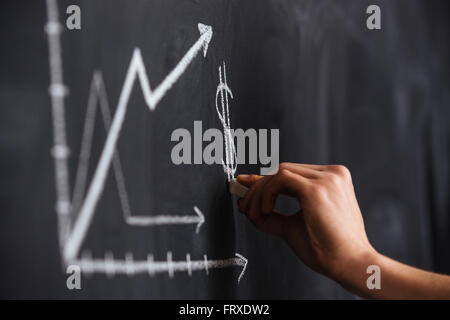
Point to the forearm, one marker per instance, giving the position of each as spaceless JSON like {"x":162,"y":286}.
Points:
{"x":328,"y":233}
{"x":398,"y":281}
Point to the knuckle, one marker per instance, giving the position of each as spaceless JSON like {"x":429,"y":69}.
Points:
{"x":334,"y":179}
{"x":283,"y":173}
{"x":341,"y":171}
{"x":318,"y":190}
{"x":283,"y":166}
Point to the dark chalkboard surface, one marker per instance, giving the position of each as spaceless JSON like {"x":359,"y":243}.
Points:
{"x":375,"y":101}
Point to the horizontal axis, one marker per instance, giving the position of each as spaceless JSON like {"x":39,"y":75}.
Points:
{"x":128,"y":266}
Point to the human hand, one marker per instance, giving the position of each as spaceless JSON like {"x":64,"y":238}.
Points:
{"x":327,"y":233}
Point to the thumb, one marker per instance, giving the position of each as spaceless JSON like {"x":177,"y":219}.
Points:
{"x":248,"y":180}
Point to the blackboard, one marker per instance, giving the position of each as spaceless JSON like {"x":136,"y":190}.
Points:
{"x":375,"y":101}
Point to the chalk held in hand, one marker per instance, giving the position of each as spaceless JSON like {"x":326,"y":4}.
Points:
{"x":237,"y":188}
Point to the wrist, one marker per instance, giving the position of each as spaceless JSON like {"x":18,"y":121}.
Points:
{"x":352,"y":273}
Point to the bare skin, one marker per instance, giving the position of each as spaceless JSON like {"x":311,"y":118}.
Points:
{"x":328,"y":233}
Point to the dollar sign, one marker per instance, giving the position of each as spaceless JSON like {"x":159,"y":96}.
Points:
{"x":222,"y":92}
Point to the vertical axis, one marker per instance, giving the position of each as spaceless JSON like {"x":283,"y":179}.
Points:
{"x":60,"y":151}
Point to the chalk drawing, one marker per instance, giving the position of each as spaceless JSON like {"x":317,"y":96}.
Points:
{"x":60,"y":151}
{"x":142,"y":221}
{"x":98,"y":96}
{"x":130,"y":267}
{"x":71,"y":238}
{"x":230,"y":164}
{"x":136,"y":70}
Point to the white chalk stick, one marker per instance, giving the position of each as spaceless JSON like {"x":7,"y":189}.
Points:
{"x":237,"y":188}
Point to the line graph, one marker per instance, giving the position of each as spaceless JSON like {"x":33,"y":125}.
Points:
{"x":136,"y":71}
{"x":98,"y":97}
{"x":73,"y":233}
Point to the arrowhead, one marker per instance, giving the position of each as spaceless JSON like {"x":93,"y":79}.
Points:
{"x":242,"y":261}
{"x":206,"y":32}
{"x":201,"y":219}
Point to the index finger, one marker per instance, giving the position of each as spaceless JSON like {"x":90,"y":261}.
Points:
{"x":284,"y":182}
{"x":248,"y":180}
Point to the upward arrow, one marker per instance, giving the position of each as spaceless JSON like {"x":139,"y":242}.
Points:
{"x":152,"y":98}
